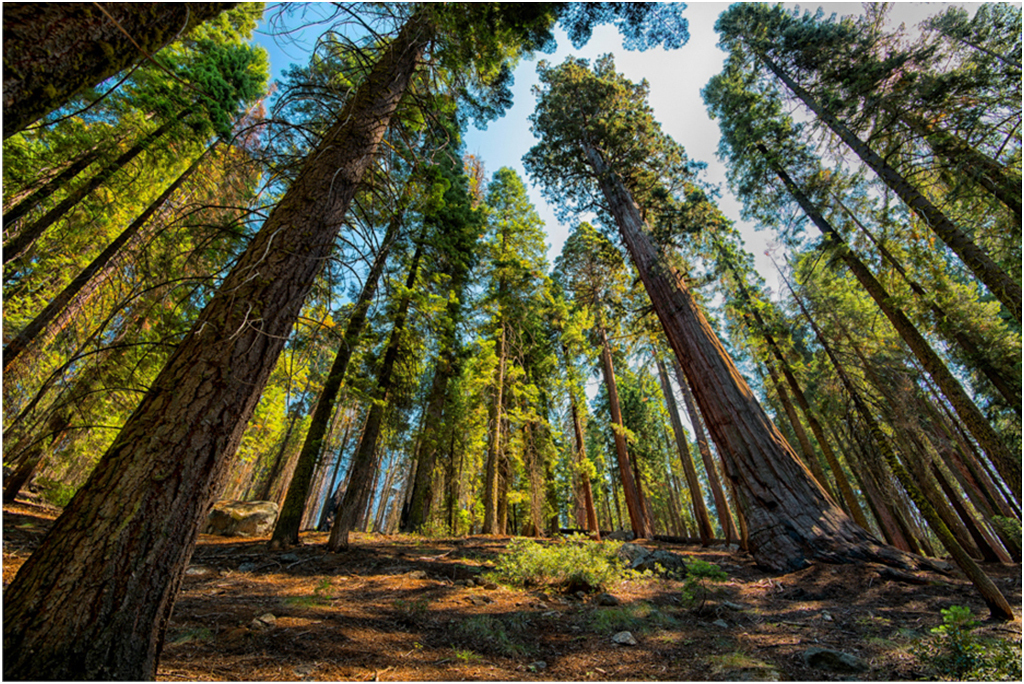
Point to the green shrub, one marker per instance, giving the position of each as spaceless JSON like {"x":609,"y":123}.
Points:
{"x":496,"y":634}
{"x":574,"y":565}
{"x":956,"y":653}
{"x":634,"y":617}
{"x":55,"y":492}
{"x":696,"y":589}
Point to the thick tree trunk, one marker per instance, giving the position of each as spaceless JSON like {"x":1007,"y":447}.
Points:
{"x":52,"y":52}
{"x":714,"y":482}
{"x":998,"y":606}
{"x":93,"y":601}
{"x":50,"y":320}
{"x":1006,"y":462}
{"x":286,"y":530}
{"x":981,"y":264}
{"x":700,"y":511}
{"x":638,"y":520}
{"x":791,"y":521}
{"x":365,"y":462}
{"x":19,"y":245}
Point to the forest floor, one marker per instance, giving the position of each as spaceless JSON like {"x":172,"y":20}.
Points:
{"x":398,"y":608}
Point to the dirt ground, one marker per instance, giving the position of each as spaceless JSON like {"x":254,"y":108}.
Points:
{"x":399,"y":608}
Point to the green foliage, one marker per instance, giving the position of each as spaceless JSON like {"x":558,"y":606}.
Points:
{"x":634,"y":617}
{"x":56,"y":492}
{"x":956,"y":653}
{"x":699,"y":576}
{"x":574,"y":565}
{"x":1008,"y":526}
{"x":496,"y":633}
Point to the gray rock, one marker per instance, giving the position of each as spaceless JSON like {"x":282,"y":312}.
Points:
{"x":537,"y":666}
{"x":247,"y":567}
{"x":607,"y":600}
{"x":196,"y":570}
{"x":289,"y":557}
{"x":265,"y":621}
{"x":241,"y":518}
{"x":479,"y":600}
{"x":721,"y":624}
{"x":624,"y":639}
{"x":836,"y":661}
{"x":416,"y":574}
{"x":640,"y":559}
{"x":620,"y":535}
{"x":732,"y":606}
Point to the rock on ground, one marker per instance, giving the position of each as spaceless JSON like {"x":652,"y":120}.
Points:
{"x":241,"y":518}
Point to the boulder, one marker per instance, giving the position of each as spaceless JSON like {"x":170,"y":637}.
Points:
{"x":241,"y":518}
{"x":640,"y":559}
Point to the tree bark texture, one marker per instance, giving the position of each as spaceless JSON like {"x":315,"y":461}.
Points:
{"x":21,"y":243}
{"x":494,"y":444}
{"x":93,"y":601}
{"x":54,"y":51}
{"x":790,"y":519}
{"x":999,"y":283}
{"x":47,"y":323}
{"x":1008,"y":463}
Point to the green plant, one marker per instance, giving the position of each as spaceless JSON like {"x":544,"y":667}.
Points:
{"x":189,"y":635}
{"x":1008,"y":526}
{"x":955,"y":652}
{"x":577,"y":564}
{"x":635,"y":617}
{"x":699,"y":574}
{"x":56,"y":492}
{"x":321,"y":596}
{"x":465,"y":655}
{"x":494,"y":632}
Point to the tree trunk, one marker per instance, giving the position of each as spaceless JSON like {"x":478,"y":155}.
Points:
{"x":981,"y":264}
{"x":19,"y":245}
{"x":1005,"y":380}
{"x":286,"y":530}
{"x":94,"y":599}
{"x":52,"y":52}
{"x":581,"y":453}
{"x":714,"y":482}
{"x":494,"y":444}
{"x":51,"y":186}
{"x":50,"y":320}
{"x":810,"y":457}
{"x":700,"y":511}
{"x":790,"y":519}
{"x":638,"y":520}
{"x":364,"y":462}
{"x":997,"y":604}
{"x":422,"y":487}
{"x":1007,"y":463}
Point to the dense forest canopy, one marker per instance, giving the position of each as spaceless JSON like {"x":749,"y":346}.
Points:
{"x":313,"y":292}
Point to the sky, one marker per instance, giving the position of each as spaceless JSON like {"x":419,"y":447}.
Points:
{"x":676,"y":78}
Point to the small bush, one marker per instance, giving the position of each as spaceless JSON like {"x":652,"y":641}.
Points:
{"x":955,"y":653}
{"x":578,"y":564}
{"x":496,"y":634}
{"x":634,"y":617}
{"x":55,"y":492}
{"x":699,"y":575}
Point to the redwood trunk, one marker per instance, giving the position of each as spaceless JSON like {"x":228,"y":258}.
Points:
{"x":581,"y":452}
{"x":94,"y":599}
{"x":638,"y":521}
{"x":52,"y":52}
{"x":700,"y":511}
{"x":789,"y":517}
{"x":717,"y":492}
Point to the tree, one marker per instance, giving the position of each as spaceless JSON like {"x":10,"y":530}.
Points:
{"x":597,"y":134}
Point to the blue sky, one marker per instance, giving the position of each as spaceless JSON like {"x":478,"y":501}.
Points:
{"x":676,"y":78}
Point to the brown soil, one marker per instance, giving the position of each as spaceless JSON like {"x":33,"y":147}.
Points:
{"x":397,"y":608}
